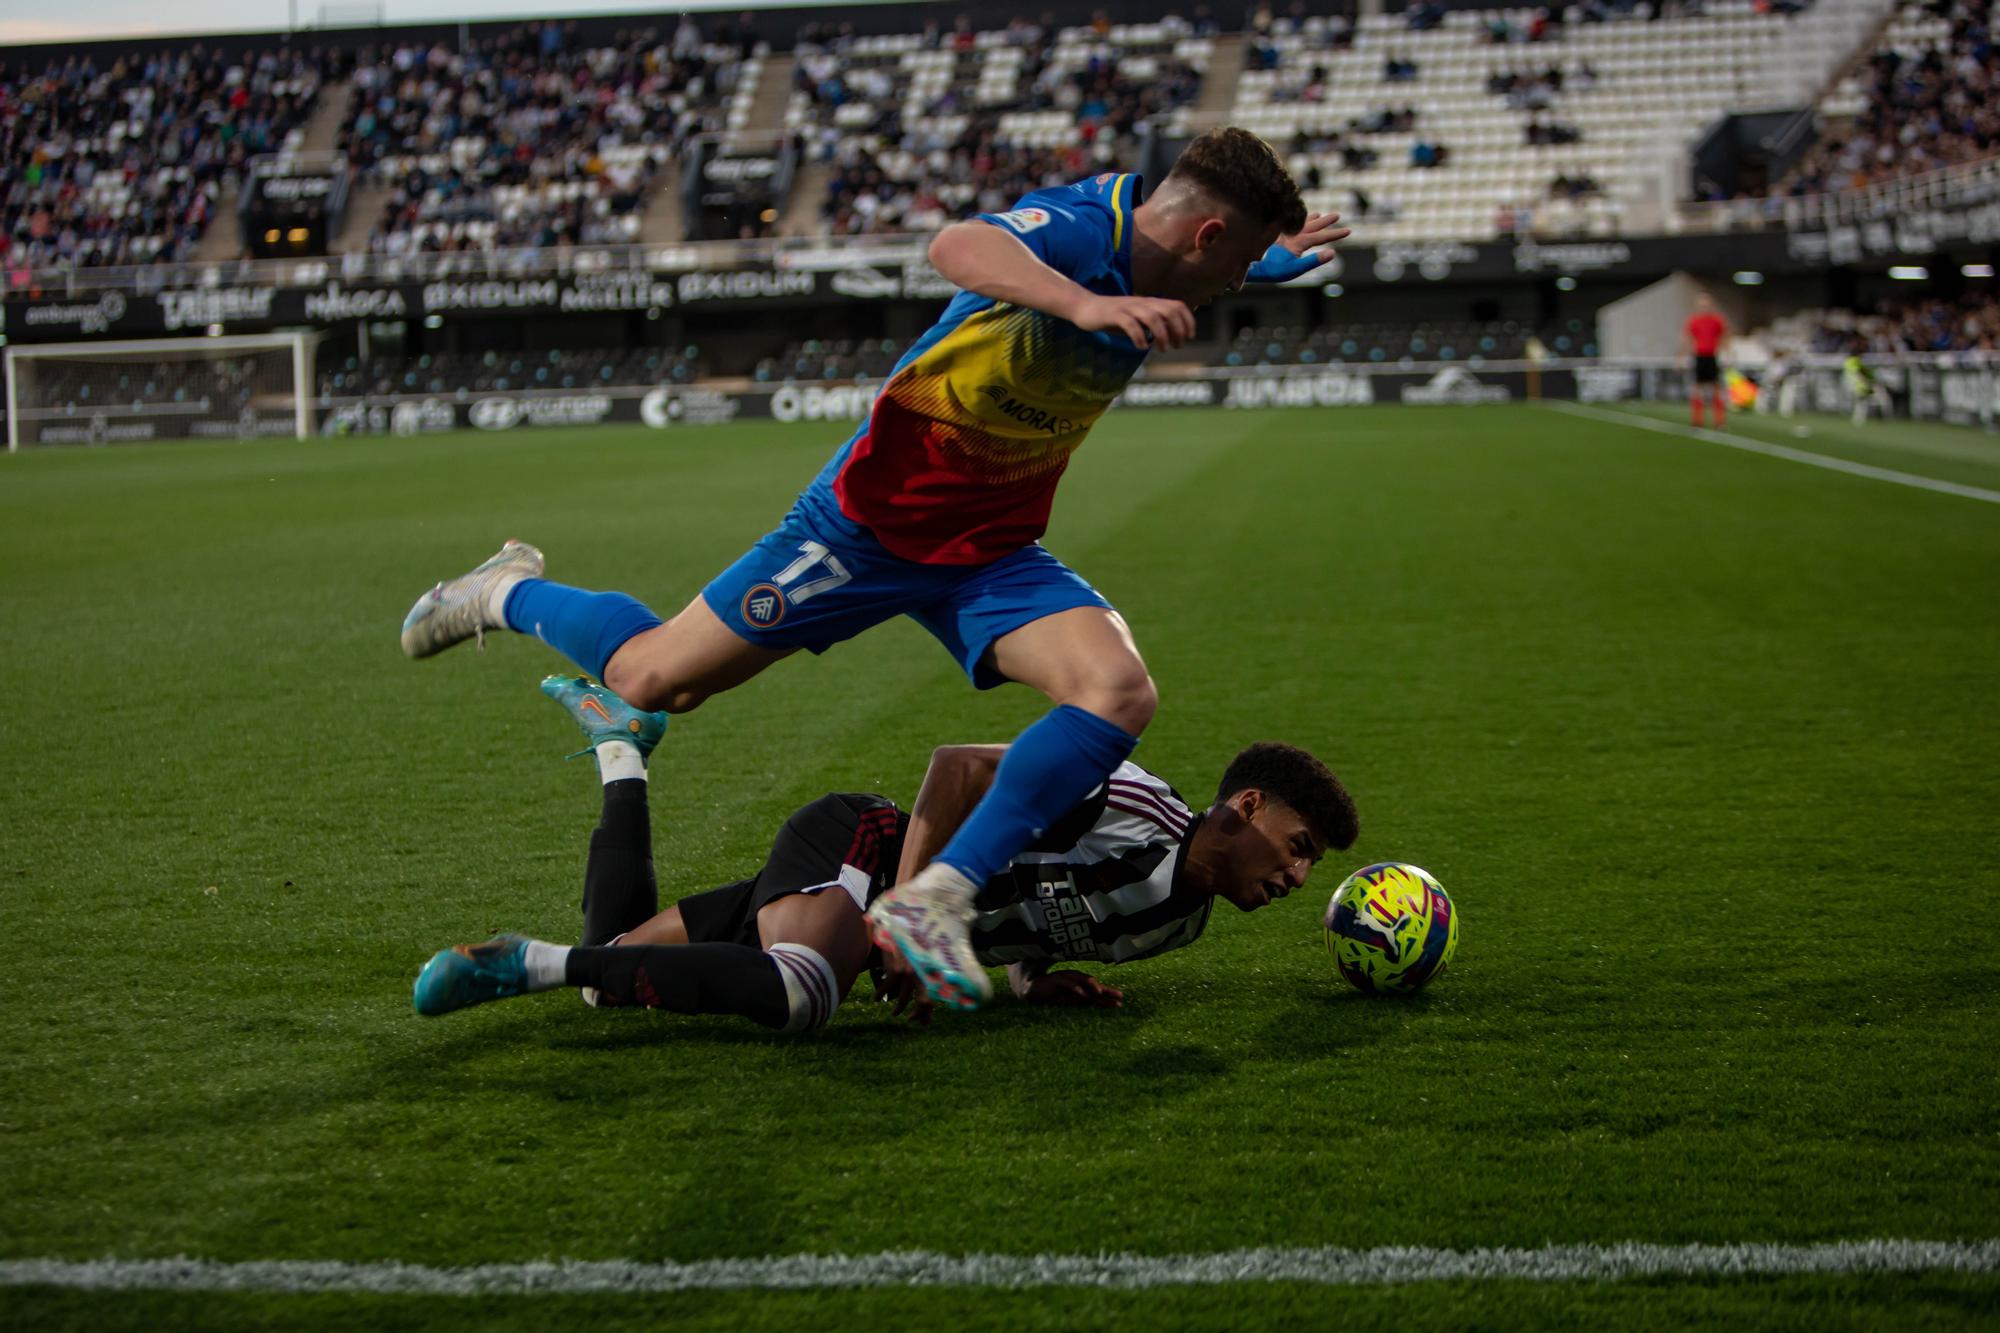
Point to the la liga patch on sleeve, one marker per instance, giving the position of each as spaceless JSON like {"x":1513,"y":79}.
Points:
{"x":1025,"y":219}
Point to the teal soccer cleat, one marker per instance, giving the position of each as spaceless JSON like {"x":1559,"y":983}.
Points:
{"x":604,"y":716}
{"x":455,"y":610}
{"x":469,"y":974}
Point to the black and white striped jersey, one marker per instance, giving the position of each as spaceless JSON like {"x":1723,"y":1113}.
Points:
{"x":1099,"y":886}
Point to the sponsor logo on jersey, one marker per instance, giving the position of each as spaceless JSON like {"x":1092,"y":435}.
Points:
{"x":1027,"y":414}
{"x":1025,"y":219}
{"x":763,"y":605}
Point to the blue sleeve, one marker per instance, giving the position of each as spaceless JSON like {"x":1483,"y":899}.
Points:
{"x":1071,"y":237}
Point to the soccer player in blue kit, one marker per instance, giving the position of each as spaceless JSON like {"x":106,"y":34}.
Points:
{"x":934,"y":508}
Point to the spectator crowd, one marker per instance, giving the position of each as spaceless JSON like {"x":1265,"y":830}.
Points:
{"x":122,"y":160}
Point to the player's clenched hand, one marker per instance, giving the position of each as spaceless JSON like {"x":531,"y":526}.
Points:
{"x":1073,"y":988}
{"x":904,"y":989}
{"x":1149,"y":321}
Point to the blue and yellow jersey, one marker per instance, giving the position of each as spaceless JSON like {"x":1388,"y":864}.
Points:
{"x":958,"y":461}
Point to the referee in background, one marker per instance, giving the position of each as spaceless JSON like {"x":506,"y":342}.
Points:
{"x":1702,"y":340}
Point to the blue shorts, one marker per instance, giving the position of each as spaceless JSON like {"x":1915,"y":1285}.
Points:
{"x":819,"y":580}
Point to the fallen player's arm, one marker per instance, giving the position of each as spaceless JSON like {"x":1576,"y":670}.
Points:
{"x":983,"y":258}
{"x":958,"y":776}
{"x":1035,"y":984}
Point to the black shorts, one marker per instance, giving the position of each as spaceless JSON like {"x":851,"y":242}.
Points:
{"x":1706,"y":371}
{"x":847,"y":841}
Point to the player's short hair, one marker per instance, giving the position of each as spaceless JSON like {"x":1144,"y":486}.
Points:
{"x":1237,"y":168}
{"x":1289,"y":774}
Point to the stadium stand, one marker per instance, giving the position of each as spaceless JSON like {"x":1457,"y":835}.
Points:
{"x":529,"y":139}
{"x":492,"y":371}
{"x":830,"y":359}
{"x":1422,"y":341}
{"x":1923,"y":102}
{"x":926,"y":127}
{"x":1968,"y":323}
{"x":1519,"y":104}
{"x":123,"y":161}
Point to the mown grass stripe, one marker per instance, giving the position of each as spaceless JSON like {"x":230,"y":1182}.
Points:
{"x":918,"y":1268}
{"x":1805,"y":456}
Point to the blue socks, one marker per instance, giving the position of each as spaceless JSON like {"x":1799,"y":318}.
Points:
{"x":1048,"y":769}
{"x":585,"y":627}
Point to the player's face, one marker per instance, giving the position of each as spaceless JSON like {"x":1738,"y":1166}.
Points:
{"x":1268,"y":851}
{"x":1224,"y":250}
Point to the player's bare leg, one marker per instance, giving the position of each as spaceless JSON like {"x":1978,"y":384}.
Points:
{"x":664,"y":928}
{"x":1085,"y":658}
{"x":676,"y":666}
{"x":826,"y":922}
{"x":1085,"y":661}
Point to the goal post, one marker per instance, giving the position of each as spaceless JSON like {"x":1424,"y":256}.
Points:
{"x":241,"y":386}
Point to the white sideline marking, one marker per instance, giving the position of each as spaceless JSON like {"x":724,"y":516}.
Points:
{"x":918,"y":1268}
{"x":1805,"y":456}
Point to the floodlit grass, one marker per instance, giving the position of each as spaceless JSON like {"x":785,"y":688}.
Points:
{"x":1706,"y":746}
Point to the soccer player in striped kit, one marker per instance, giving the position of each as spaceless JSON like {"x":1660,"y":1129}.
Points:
{"x":935,"y":507}
{"x":1130,"y":872}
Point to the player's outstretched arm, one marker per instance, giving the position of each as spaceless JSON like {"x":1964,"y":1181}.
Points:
{"x":1298,"y":254}
{"x":983,"y":258}
{"x":957,"y":778}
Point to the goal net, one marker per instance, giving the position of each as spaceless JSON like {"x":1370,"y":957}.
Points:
{"x":237,"y":387}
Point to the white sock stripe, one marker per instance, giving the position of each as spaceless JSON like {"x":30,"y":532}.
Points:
{"x":808,"y":1005}
{"x":817,"y":976}
{"x":798,"y":996}
{"x":817,"y":969}
{"x":919,"y":1268}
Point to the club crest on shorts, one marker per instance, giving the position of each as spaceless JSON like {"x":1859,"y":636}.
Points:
{"x":763,"y":605}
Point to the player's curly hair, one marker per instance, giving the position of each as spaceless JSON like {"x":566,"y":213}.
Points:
{"x":1289,"y":774}
{"x":1237,"y":168}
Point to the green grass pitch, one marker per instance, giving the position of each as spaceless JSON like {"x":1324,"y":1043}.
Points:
{"x":1706,"y":746}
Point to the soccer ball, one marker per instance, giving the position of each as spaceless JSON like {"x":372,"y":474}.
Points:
{"x":1391,"y":928}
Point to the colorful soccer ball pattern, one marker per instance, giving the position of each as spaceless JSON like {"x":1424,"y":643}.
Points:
{"x":1391,"y":928}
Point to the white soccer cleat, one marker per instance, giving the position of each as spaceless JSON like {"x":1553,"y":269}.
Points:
{"x":456,"y":610}
{"x":929,"y":922}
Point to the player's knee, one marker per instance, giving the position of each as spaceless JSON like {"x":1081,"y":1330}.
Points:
{"x":651,"y":686}
{"x":1125,"y":698}
{"x":812,"y":991}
